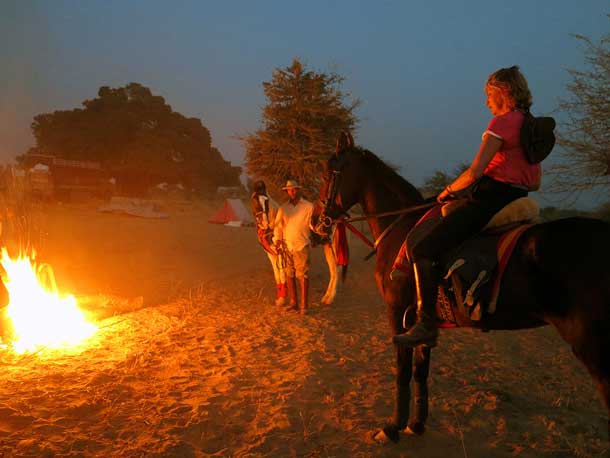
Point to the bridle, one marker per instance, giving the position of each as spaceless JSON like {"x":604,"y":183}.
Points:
{"x":330,"y":207}
{"x":332,"y":178}
{"x":328,"y":203}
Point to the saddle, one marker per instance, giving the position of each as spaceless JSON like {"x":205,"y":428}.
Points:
{"x":473,"y":271}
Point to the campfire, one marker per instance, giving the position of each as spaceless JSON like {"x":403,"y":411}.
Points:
{"x":37,"y":314}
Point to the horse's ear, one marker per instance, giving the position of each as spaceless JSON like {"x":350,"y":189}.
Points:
{"x":350,"y":140}
{"x":344,"y":141}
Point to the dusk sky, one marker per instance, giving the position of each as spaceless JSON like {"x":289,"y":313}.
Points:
{"x":418,"y":67}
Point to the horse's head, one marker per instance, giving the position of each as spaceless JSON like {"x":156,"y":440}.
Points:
{"x":342,"y":181}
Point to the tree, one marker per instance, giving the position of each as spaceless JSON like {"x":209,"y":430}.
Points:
{"x":552,"y":213}
{"x":440,"y":180}
{"x":130,"y":129}
{"x":304,"y":114}
{"x":603,"y":212}
{"x":584,"y":160}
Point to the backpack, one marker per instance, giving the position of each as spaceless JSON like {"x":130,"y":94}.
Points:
{"x":537,"y":137}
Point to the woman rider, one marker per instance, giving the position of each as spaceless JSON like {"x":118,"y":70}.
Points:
{"x":499,"y":174}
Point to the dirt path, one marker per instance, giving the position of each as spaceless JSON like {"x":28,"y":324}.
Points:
{"x":216,"y":371}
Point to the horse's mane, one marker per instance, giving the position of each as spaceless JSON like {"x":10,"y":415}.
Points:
{"x":383,"y":173}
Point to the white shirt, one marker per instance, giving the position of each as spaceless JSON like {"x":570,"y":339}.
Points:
{"x":292,"y":224}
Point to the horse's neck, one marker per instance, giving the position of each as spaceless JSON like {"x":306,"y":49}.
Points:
{"x":376,"y":199}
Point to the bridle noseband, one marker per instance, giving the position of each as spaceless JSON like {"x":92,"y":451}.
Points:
{"x":329,"y":206}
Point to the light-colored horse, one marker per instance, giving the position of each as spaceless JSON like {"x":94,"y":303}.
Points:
{"x":331,"y":261}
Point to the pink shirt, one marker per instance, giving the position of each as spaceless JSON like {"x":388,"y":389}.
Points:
{"x":509,"y":164}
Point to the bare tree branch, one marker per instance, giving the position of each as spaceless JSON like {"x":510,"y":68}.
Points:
{"x":584,"y":136}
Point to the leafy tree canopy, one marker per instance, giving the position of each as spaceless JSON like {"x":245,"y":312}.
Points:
{"x":434,"y":184}
{"x":585,"y":135}
{"x":304,"y":114}
{"x":130,"y":128}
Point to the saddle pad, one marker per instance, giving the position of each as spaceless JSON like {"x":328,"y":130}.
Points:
{"x":524,"y":209}
{"x":476,"y":262}
{"x":506,"y":245}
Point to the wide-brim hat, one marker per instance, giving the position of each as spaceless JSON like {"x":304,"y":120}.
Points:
{"x":291,"y":184}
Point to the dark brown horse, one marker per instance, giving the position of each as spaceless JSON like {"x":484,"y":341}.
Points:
{"x":558,"y":274}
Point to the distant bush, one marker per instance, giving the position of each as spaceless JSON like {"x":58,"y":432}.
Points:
{"x":603,"y":212}
{"x":552,"y":213}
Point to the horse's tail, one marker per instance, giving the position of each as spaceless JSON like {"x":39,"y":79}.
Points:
{"x":605,"y":316}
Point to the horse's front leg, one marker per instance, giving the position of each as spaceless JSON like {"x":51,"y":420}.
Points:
{"x":331,"y":261}
{"x":421,"y":370}
{"x":404,"y":368}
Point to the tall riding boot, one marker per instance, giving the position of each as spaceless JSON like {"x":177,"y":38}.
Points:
{"x":424,"y":331}
{"x":280,"y":298}
{"x":304,"y":283}
{"x":292,"y":292}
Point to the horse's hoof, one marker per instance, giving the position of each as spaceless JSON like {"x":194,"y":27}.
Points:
{"x":327,"y":300}
{"x":415,"y":429}
{"x":388,"y":434}
{"x":381,"y":437}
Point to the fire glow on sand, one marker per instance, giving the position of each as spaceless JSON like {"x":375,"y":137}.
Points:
{"x":38,"y":314}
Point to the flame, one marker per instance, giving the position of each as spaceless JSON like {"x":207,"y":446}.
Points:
{"x":40,"y":317}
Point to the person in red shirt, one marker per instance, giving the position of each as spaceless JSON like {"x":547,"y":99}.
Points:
{"x":499,"y":174}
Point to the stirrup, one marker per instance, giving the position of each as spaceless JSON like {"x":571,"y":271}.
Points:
{"x":410,"y":340}
{"x":430,"y":343}
{"x":397,"y":274}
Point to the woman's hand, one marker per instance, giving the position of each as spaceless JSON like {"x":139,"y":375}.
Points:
{"x":444,"y":196}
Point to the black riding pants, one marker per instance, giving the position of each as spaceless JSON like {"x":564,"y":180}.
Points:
{"x":446,"y":233}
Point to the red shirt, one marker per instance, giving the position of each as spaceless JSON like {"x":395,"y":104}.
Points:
{"x":509,"y":164}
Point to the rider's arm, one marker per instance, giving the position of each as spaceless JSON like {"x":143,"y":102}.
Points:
{"x":489,"y":147}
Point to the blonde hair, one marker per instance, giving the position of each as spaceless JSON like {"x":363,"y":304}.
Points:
{"x":513,"y":85}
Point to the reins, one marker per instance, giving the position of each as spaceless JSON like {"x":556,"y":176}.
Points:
{"x":326,"y":221}
{"x":403,"y":211}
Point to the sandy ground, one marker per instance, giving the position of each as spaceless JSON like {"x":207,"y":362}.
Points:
{"x":206,"y":366}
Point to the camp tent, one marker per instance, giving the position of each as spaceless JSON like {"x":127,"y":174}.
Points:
{"x":232,"y":213}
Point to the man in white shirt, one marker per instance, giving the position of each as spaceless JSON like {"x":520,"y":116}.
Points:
{"x":292,"y":226}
